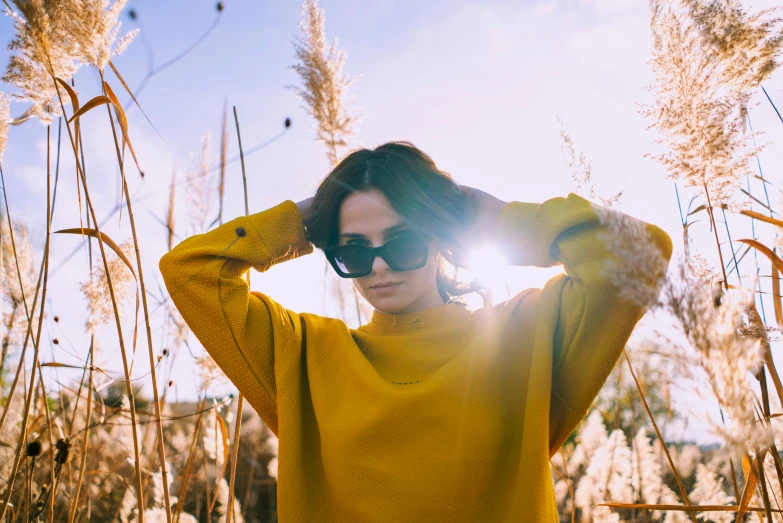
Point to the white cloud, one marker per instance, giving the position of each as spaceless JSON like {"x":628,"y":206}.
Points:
{"x":621,"y":45}
{"x":494,"y":34}
{"x":33,"y":177}
{"x":546,"y":7}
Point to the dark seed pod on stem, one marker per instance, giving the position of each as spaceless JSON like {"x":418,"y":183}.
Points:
{"x":33,"y":449}
{"x":63,"y":446}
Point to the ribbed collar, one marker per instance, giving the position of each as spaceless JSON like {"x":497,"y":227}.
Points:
{"x":383,"y":322}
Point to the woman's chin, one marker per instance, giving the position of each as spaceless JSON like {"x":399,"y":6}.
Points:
{"x":387,"y":301}
{"x":389,"y":304}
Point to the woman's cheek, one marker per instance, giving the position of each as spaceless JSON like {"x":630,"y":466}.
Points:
{"x":362,"y":288}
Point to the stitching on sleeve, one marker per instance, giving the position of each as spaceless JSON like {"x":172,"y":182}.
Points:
{"x":236,"y":343}
{"x":565,"y":348}
{"x":565,"y":403}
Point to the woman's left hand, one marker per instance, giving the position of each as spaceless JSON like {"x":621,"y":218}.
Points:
{"x":486,"y":209}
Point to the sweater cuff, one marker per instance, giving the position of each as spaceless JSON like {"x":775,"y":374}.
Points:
{"x":281,"y":230}
{"x":526,"y":232}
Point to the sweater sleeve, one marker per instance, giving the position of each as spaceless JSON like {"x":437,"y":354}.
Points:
{"x":595,"y":319}
{"x":241,"y":330}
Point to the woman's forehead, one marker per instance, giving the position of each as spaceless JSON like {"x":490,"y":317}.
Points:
{"x":367,"y":213}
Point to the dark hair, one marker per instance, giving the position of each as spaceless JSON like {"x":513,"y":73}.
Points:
{"x":424,"y":196}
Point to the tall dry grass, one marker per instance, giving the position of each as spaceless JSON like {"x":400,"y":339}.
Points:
{"x":84,"y":461}
{"x":710,"y":58}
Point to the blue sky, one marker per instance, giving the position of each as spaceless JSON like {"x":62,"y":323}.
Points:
{"x":477,"y":85}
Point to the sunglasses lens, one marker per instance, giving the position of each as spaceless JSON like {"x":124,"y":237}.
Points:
{"x":353,"y":259}
{"x":401,"y":254}
{"x":405,"y":254}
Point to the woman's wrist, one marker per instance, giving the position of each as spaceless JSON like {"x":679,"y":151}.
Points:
{"x":486,"y":210}
{"x":305,"y":206}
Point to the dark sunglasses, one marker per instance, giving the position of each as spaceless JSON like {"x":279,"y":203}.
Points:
{"x":405,"y":253}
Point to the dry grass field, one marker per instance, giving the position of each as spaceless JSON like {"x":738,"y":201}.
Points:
{"x":81,"y":443}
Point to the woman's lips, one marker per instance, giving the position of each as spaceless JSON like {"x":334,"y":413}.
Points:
{"x":387,"y":289}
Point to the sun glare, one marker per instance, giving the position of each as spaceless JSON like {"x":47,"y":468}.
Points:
{"x":489,"y":266}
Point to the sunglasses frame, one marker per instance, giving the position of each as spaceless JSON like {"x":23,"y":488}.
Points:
{"x":375,"y":252}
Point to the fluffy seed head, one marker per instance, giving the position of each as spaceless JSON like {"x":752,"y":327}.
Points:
{"x":96,"y":288}
{"x":723,"y":344}
{"x":708,"y":56}
{"x":319,"y":66}
{"x":42,"y":49}
{"x":94,"y":26}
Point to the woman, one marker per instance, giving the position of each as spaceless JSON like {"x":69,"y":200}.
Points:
{"x":429,"y":412}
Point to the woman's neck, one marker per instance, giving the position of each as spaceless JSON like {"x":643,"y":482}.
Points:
{"x":431,"y":298}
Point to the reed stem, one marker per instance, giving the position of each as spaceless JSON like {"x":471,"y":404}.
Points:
{"x":145,"y":307}
{"x":126,"y":368}
{"x":36,"y":345}
{"x":677,"y":477}
{"x":85,"y":436}
{"x":240,"y":400}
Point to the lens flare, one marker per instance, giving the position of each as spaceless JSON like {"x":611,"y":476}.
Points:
{"x":488,"y":265}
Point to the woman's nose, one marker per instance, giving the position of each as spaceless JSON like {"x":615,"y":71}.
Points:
{"x":379,"y":265}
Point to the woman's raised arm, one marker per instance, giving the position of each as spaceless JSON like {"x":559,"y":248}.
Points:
{"x":242,"y":330}
{"x":593,"y":318}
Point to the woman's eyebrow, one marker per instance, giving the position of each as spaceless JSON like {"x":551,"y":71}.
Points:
{"x":386,"y":231}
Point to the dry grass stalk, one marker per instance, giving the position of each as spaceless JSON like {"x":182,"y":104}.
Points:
{"x":582,"y":171}
{"x":47,"y":50}
{"x":126,"y":368}
{"x":86,"y":436}
{"x":27,"y":338}
{"x":183,"y":491}
{"x":683,"y":493}
{"x":170,"y":223}
{"x":567,"y":481}
{"x":36,"y":352}
{"x":646,"y":475}
{"x":151,"y":351}
{"x":223,"y":159}
{"x":241,"y":399}
{"x":48,"y":420}
{"x":104,"y":34}
{"x":319,"y":66}
{"x":18,"y":287}
{"x":199,"y":191}
{"x":5,"y":115}
{"x":755,"y":328}
{"x":320,"y":69}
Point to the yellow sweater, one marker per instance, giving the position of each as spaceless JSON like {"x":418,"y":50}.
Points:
{"x":442,"y":415}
